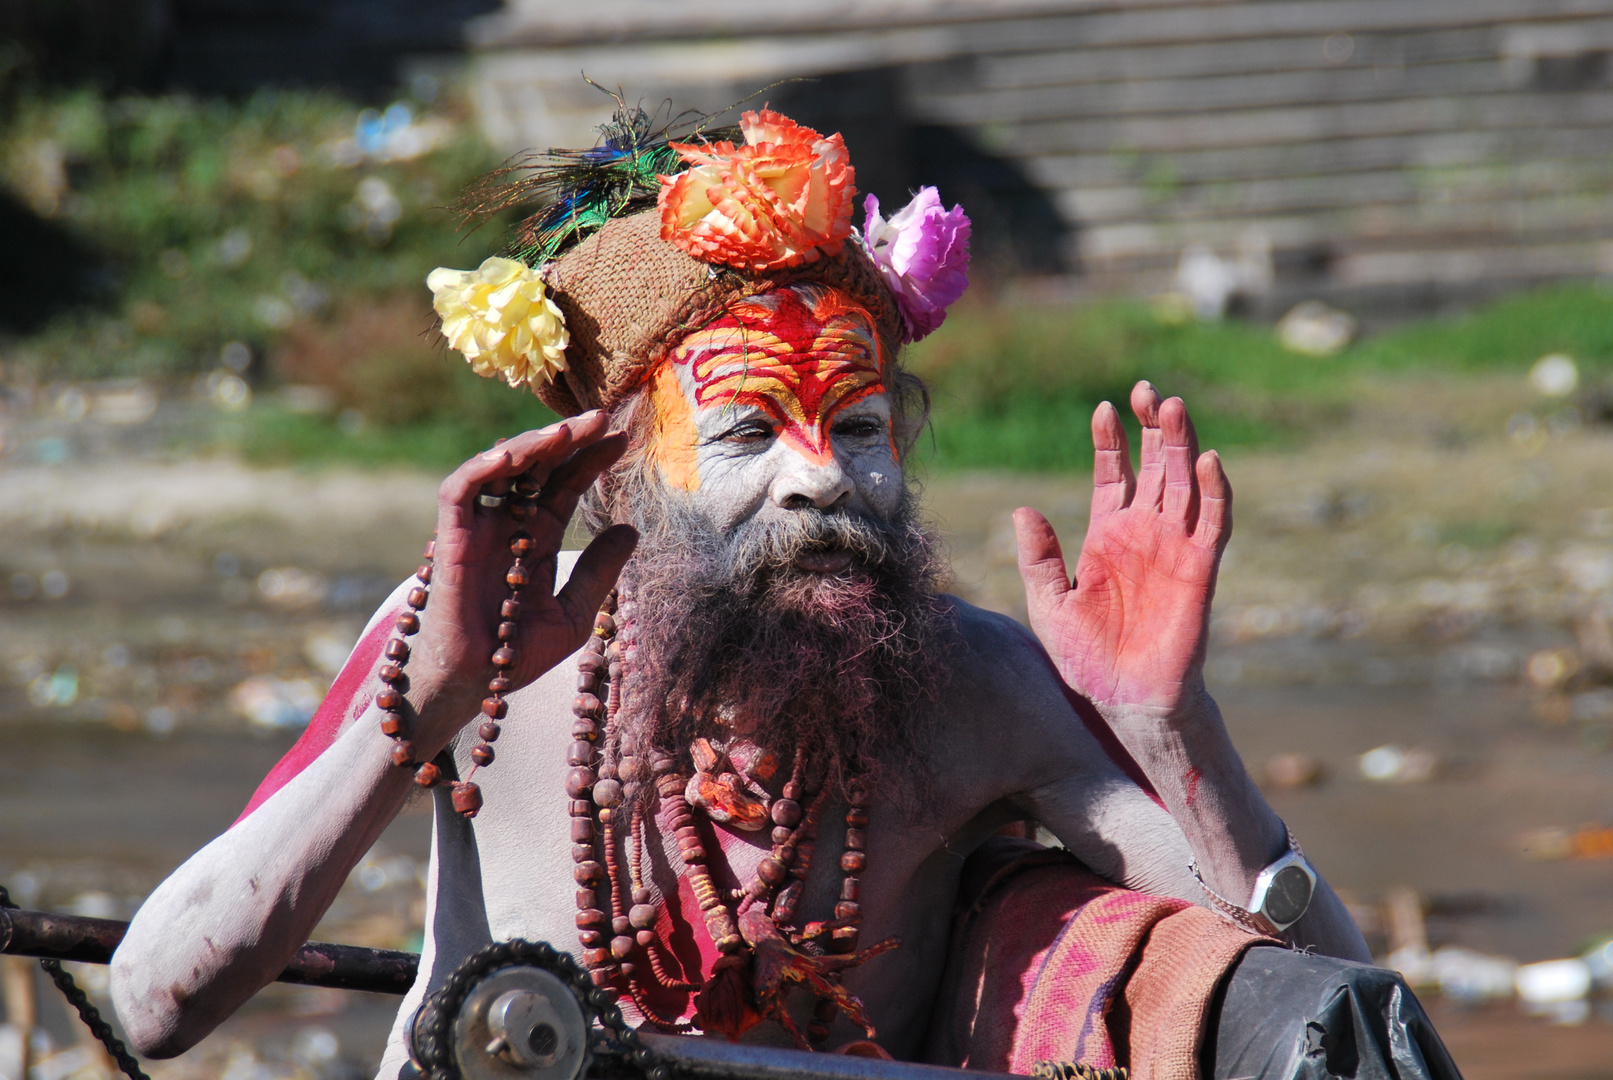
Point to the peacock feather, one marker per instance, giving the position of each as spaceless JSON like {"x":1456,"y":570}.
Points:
{"x":578,"y":191}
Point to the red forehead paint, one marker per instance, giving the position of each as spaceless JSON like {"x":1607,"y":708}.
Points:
{"x":801,"y":355}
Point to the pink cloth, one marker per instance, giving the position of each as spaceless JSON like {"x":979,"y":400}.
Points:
{"x":1052,"y":963}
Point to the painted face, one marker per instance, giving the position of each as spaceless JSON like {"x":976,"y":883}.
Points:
{"x":779,"y":405}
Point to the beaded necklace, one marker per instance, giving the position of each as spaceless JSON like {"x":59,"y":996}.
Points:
{"x":607,"y":769}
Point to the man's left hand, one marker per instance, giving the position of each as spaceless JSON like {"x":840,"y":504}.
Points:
{"x":1130,"y":631}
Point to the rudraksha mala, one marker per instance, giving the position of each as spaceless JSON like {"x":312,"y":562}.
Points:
{"x":467,"y":795}
{"x":607,"y":768}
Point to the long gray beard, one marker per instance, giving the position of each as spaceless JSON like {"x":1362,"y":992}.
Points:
{"x":728,"y":638}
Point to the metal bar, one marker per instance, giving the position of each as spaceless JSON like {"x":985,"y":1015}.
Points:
{"x":715,"y":1059}
{"x":92,"y":941}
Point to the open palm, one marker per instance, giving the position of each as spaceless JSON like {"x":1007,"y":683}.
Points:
{"x":1131,"y":629}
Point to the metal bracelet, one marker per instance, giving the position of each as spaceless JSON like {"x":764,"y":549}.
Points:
{"x":1236,"y":913}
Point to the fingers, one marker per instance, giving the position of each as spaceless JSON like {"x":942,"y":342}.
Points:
{"x":596,"y":571}
{"x":1041,"y":559}
{"x":1181,"y":451}
{"x":1113,"y":482}
{"x":1145,"y":402}
{"x":532,"y":452}
{"x":566,"y":484}
{"x":1214,"y":526}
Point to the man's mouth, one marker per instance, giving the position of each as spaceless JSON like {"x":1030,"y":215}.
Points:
{"x":824,"y":561}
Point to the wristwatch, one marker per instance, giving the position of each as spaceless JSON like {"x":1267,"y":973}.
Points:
{"x":1282,"y":893}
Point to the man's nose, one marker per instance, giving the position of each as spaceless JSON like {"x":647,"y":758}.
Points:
{"x":823,"y":484}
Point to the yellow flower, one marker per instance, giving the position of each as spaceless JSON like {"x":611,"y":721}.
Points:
{"x":501,"y":318}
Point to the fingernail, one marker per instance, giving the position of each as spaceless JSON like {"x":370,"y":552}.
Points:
{"x":494,"y":454}
{"x":552,"y":428}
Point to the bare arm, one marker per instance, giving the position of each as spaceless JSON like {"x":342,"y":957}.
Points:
{"x":228,"y":920}
{"x":1129,"y":633}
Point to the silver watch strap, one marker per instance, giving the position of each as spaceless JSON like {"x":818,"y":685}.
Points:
{"x":1236,"y":914}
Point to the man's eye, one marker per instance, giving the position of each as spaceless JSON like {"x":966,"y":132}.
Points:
{"x":860,"y":427}
{"x":751,"y":432}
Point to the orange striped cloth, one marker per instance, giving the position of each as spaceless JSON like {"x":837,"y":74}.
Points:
{"x":1050,"y":962}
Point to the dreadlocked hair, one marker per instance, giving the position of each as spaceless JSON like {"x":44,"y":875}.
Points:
{"x":578,"y":191}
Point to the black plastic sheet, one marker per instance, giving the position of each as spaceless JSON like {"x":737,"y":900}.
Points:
{"x":1288,"y":1015}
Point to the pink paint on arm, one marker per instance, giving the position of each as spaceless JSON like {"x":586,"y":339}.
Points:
{"x":1191,"y":779}
{"x":1107,"y":739}
{"x":349,"y":696}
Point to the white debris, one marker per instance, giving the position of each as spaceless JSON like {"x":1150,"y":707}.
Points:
{"x":1315,"y":329}
{"x":1391,"y":764}
{"x":1554,"y":375}
{"x":276,"y":703}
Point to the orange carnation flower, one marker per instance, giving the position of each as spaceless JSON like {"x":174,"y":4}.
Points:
{"x":780,"y":200}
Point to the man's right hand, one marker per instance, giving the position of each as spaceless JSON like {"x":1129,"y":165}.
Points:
{"x":451,"y":661}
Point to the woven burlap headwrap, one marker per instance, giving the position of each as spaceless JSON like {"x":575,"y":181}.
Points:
{"x":629,"y":297}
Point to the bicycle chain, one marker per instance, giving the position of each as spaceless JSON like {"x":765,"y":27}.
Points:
{"x":86,"y":1009}
{"x":431,"y":1031}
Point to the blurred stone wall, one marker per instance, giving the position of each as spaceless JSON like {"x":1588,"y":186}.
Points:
{"x":1390,"y":153}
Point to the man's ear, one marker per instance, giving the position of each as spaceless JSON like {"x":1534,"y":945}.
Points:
{"x":910,"y":410}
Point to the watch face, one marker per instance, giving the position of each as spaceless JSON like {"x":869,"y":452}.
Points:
{"x":1288,"y":896}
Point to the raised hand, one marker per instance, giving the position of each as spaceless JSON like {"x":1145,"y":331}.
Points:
{"x":1131,"y":630}
{"x":458,"y":634}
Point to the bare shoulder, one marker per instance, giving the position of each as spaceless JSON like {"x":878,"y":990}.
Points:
{"x":995,"y":650}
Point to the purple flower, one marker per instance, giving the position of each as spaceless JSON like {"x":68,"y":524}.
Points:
{"x":923,"y":253}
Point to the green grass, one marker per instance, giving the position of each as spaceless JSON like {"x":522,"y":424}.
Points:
{"x":1014,"y":388}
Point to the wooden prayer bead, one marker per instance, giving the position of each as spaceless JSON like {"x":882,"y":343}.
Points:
{"x":393,"y":675}
{"x":858,"y":796}
{"x":391,"y":724}
{"x":857,"y":817}
{"x":607,"y":771}
{"x":771,"y":870}
{"x":584,"y":730}
{"x":604,"y":625}
{"x":581,"y":808}
{"x":587,"y":705}
{"x":397,"y":649}
{"x":849,"y":888}
{"x":580,"y":752}
{"x":786,"y":812}
{"x":586,"y":683}
{"x":522,"y":544}
{"x":389,"y":699}
{"x":582,"y":831}
{"x":579,"y":781}
{"x":503,"y":657}
{"x":489,"y":731}
{"x":403,"y":752}
{"x":592,"y":663}
{"x":792,"y":791}
{"x":622,"y":947}
{"x":846,"y":910}
{"x":417,"y":598}
{"x":642,"y":916}
{"x":582,"y":852}
{"x":500,"y":685}
{"x":595,"y":957}
{"x":467,"y":798}
{"x":856,"y":839}
{"x":592,"y":919}
{"x":853,"y":862}
{"x":632,"y":769}
{"x":591,"y":939}
{"x":427,"y":775}
{"x":601,"y":976}
{"x":510,"y":609}
{"x":645,"y":938}
{"x":588,"y":872}
{"x":586,"y":899}
{"x":431,"y":550}
{"x":408,"y":623}
{"x":495,"y":708}
{"x":424,"y":574}
{"x":517,"y":576}
{"x":781,"y":834}
{"x":641,"y":896}
{"x":608,"y":793}
{"x":508,"y":630}
{"x":482,"y":754}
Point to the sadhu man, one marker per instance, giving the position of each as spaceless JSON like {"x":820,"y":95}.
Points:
{"x":741,"y":755}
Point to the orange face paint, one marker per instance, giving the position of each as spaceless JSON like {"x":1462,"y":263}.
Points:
{"x":800,"y":356}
